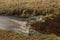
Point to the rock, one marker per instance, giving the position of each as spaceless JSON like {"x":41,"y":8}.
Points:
{"x":48,"y":27}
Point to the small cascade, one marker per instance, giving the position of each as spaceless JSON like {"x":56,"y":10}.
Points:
{"x":25,"y":25}
{"x":7,"y":23}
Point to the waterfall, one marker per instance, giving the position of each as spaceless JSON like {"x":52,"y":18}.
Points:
{"x":6,"y":23}
{"x":23,"y":26}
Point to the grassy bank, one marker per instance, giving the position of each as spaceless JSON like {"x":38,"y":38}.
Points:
{"x":29,"y":8}
{"x":8,"y":35}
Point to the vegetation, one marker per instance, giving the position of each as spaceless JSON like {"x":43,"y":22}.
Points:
{"x":8,"y":35}
{"x":34,"y":8}
{"x":29,"y":7}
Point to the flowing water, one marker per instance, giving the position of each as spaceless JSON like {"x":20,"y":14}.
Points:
{"x":7,"y":23}
{"x":17,"y":24}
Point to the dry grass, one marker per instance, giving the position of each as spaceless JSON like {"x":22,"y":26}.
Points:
{"x":8,"y":35}
{"x":8,"y":6}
